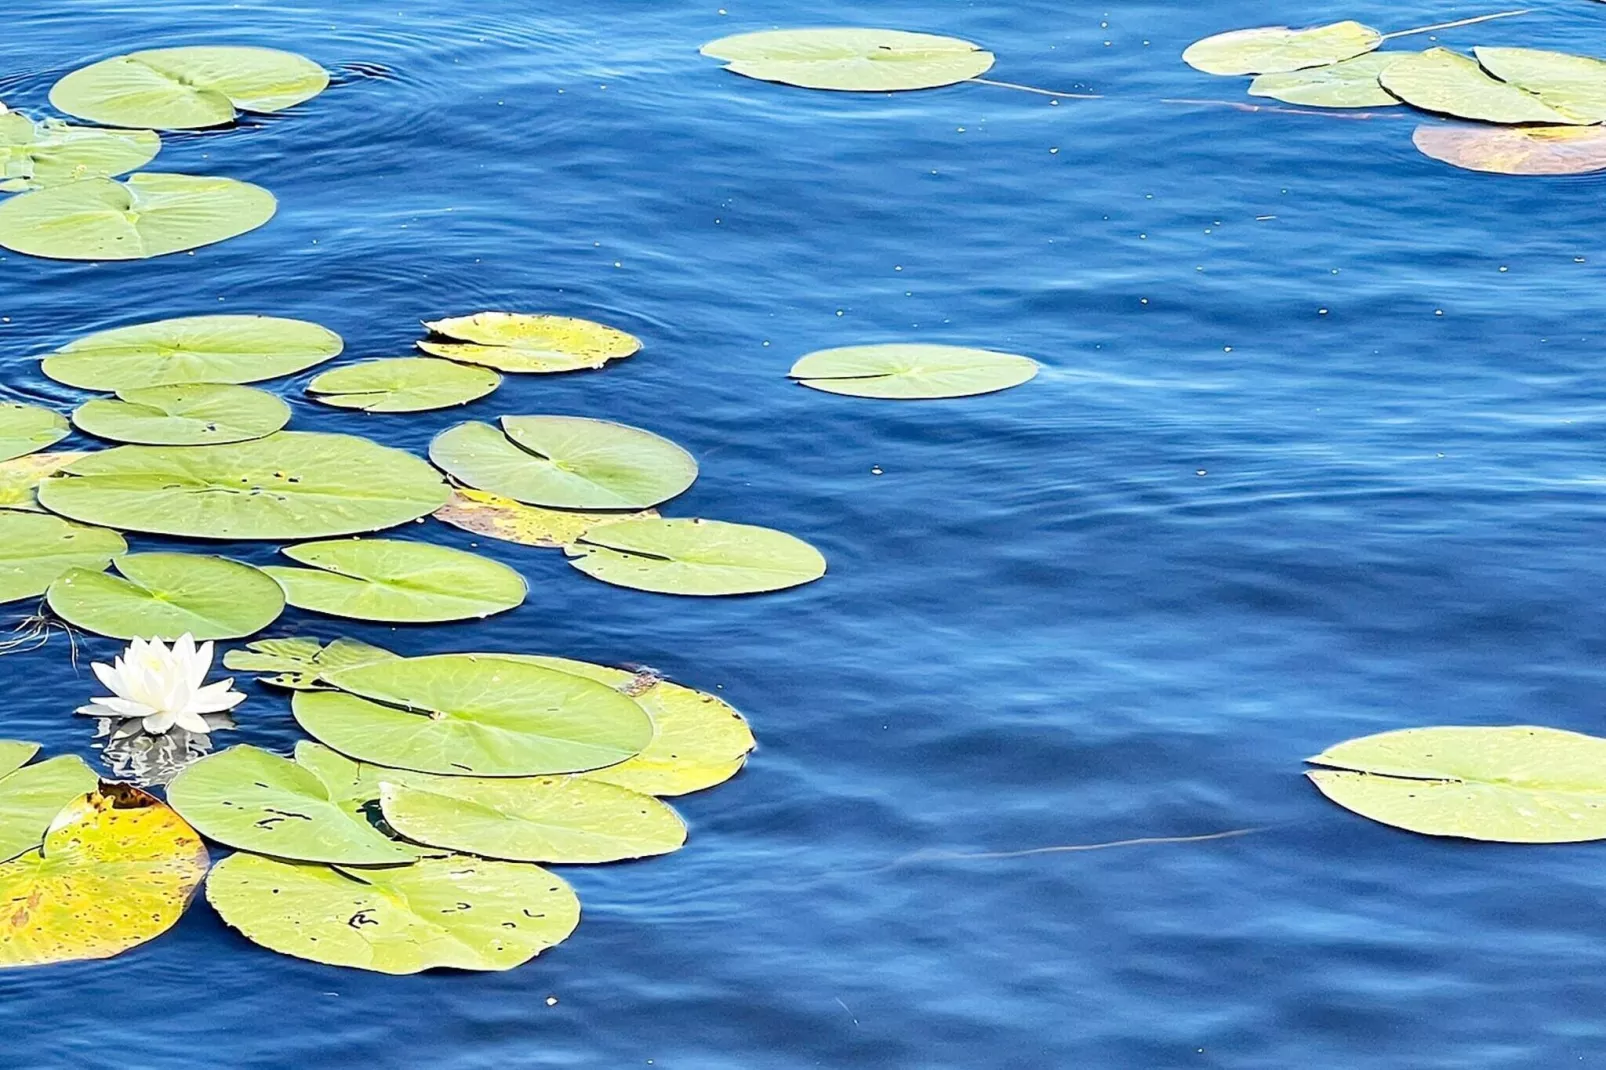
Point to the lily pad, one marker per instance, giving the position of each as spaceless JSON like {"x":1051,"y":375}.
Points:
{"x":188,"y":88}
{"x":393,"y":580}
{"x":521,"y":342}
{"x":36,"y":548}
{"x":254,"y":800}
{"x":462,"y":715}
{"x":566,"y":462}
{"x":403,"y":384}
{"x":192,"y":349}
{"x":1350,"y":83}
{"x":191,"y":415}
{"x":117,"y":868}
{"x":1271,"y":49}
{"x":1569,"y":83}
{"x":1512,"y":785}
{"x":469,"y":914}
{"x":289,"y":485}
{"x":695,"y":557}
{"x":34,"y":155}
{"x":1442,"y":81}
{"x":512,"y":521}
{"x":165,"y":595}
{"x":146,"y":215}
{"x":851,"y":60}
{"x":26,"y":429}
{"x":910,"y":372}
{"x":32,"y":795}
{"x":299,"y":663}
{"x":20,"y":478}
{"x":1515,"y":150}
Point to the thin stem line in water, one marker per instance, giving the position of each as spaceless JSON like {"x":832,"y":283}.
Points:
{"x":929,"y":855}
{"x":1315,"y":113}
{"x":1034,"y":89}
{"x":1457,"y":22}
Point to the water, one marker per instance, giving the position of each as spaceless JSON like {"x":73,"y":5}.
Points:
{"x":1315,"y":454}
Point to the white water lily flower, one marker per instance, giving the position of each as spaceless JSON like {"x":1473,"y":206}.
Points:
{"x":163,"y":687}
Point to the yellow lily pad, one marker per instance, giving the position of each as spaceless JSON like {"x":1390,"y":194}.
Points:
{"x":1515,"y":150}
{"x":502,"y":518}
{"x":522,"y":342}
{"x":20,"y":478}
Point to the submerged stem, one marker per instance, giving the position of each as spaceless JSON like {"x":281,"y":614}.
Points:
{"x":1034,"y":89}
{"x":1457,"y":22}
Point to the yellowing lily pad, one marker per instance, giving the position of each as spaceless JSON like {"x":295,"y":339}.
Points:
{"x":1350,"y":83}
{"x":1442,"y":81}
{"x":695,"y":557}
{"x":165,"y":595}
{"x":403,"y":384}
{"x":188,"y":88}
{"x":1515,"y":150}
{"x":20,"y":478}
{"x":1269,"y":49}
{"x":32,"y":795}
{"x":1513,"y":785}
{"x":905,"y":372}
{"x":469,"y":914}
{"x":146,"y":215}
{"x":393,"y":580}
{"x":522,"y":342}
{"x":192,"y":349}
{"x":25,"y":429}
{"x":512,"y":521}
{"x":51,"y":153}
{"x":299,"y":663}
{"x":850,"y":59}
{"x":566,"y":462}
{"x":191,"y":415}
{"x":36,"y":548}
{"x":117,"y":868}
{"x":1572,"y":84}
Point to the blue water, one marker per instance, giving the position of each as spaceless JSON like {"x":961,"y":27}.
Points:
{"x":1316,"y":453}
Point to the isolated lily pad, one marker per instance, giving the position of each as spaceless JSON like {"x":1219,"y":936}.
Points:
{"x":850,"y":59}
{"x":36,"y":548}
{"x":20,"y":478}
{"x":459,"y":714}
{"x":465,"y":913}
{"x":34,"y":155}
{"x":191,"y":415}
{"x":32,"y":795}
{"x":145,"y":215}
{"x":26,"y":429}
{"x":522,"y":342}
{"x":188,"y":88}
{"x":192,"y":349}
{"x":1350,"y":83}
{"x":1515,"y":150}
{"x":1442,"y":81}
{"x":117,"y":868}
{"x":289,"y":485}
{"x":695,"y":557}
{"x":1572,"y":84}
{"x":165,"y":595}
{"x":298,"y":663}
{"x":403,"y":384}
{"x":565,"y":462}
{"x":1269,"y":49}
{"x":254,"y":800}
{"x":909,"y":372}
{"x":512,"y":521}
{"x":394,"y":580}
{"x":1513,"y":785}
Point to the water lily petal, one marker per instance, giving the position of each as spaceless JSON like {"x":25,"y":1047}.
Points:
{"x":215,"y":698}
{"x":159,"y":722}
{"x":191,"y":722}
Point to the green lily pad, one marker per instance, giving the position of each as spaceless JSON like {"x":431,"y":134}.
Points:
{"x":1520,"y":784}
{"x":566,"y":462}
{"x":403,"y":384}
{"x":27,"y":429}
{"x":1350,"y":83}
{"x":299,"y":663}
{"x":393,"y":580}
{"x":165,"y":595}
{"x":1515,"y":150}
{"x":1442,"y":81}
{"x":191,"y":415}
{"x":464,"y":913}
{"x":521,"y":342}
{"x":192,"y":349}
{"x":188,"y":88}
{"x":34,"y":155}
{"x":254,"y":800}
{"x":1569,"y":83}
{"x":36,"y":548}
{"x":851,"y":60}
{"x":32,"y":795}
{"x":1272,"y":49}
{"x":145,"y":215}
{"x":289,"y":485}
{"x":20,"y":478}
{"x":911,"y":372}
{"x":695,"y":557}
{"x":458,"y":714}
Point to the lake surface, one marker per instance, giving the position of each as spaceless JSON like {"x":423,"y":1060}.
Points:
{"x":1316,"y":453}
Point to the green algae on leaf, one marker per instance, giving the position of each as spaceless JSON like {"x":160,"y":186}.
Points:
{"x":528,"y":343}
{"x":36,"y":548}
{"x":148,"y":214}
{"x":165,"y":595}
{"x":20,"y":478}
{"x":1572,"y":84}
{"x":1274,"y":49}
{"x":1447,"y":82}
{"x":188,"y":88}
{"x":192,"y":349}
{"x":298,"y":663}
{"x":403,"y":384}
{"x":695,"y":557}
{"x":906,"y":372}
{"x":850,"y":59}
{"x":51,"y":153}
{"x":513,"y":521}
{"x":1515,"y":150}
{"x":27,"y":429}
{"x":32,"y":795}
{"x":398,"y":581}
{"x":1350,"y":83}
{"x":194,"y":414}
